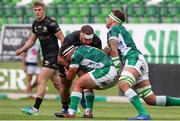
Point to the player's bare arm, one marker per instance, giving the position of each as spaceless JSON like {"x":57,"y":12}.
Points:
{"x":29,"y":43}
{"x":71,"y":73}
{"x":60,"y":36}
{"x":62,"y":61}
{"x":113,"y":47}
{"x":23,"y":60}
{"x":107,"y":50}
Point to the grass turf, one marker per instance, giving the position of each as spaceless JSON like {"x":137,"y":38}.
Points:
{"x":10,"y":110}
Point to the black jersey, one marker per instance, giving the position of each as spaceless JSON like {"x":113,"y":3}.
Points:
{"x":73,"y":38}
{"x":45,"y":31}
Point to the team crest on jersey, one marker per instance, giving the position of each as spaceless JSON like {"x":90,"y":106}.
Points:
{"x":39,"y":26}
{"x":35,"y":29}
{"x":46,"y":63}
{"x":45,"y":29}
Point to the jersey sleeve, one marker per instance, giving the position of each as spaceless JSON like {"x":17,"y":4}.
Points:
{"x":114,"y":33}
{"x":54,"y":27}
{"x":33,"y":28}
{"x":76,"y":59}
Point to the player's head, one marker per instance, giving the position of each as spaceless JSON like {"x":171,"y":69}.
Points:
{"x":115,"y":17}
{"x":39,"y":9}
{"x":66,"y":50}
{"x":86,"y":35}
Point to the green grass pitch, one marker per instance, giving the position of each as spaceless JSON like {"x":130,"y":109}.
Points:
{"x":10,"y":110}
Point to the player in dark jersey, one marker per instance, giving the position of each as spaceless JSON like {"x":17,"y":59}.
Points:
{"x":77,"y":38}
{"x":84,"y":36}
{"x":48,"y":32}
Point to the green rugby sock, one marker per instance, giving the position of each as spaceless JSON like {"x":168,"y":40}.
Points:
{"x":89,"y":97}
{"x":135,"y":100}
{"x":172,"y":101}
{"x":75,"y":98}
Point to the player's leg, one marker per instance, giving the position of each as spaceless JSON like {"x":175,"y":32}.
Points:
{"x":83,"y":101}
{"x":36,"y":73}
{"x":127,"y":79}
{"x":59,"y":85}
{"x":96,"y":79}
{"x":144,"y":90}
{"x":84,"y":82}
{"x":29,"y":75}
{"x":45,"y":75}
{"x":89,"y":102}
{"x":65,"y":92}
{"x":28,"y":84}
{"x":35,"y":83}
{"x":130,"y":73}
{"x":56,"y":81}
{"x":65,"y":89}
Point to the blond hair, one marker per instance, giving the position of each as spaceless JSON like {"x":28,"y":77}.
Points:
{"x":38,"y":3}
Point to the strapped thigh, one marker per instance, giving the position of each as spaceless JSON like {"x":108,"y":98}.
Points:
{"x":127,"y":77}
{"x":144,"y":91}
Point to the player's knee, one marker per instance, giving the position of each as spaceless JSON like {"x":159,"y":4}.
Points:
{"x":123,"y":86}
{"x":41,"y":82}
{"x":126,"y":80}
{"x":150,"y":100}
{"x":78,"y":84}
{"x":147,"y":94}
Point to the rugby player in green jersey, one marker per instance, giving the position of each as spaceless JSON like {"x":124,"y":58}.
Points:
{"x":134,"y":70}
{"x":97,"y":72}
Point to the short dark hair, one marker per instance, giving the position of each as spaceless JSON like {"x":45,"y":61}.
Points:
{"x":87,"y":29}
{"x":63,"y":48}
{"x":38,"y":3}
{"x":119,"y":14}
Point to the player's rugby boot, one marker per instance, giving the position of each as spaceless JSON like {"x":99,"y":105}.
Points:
{"x":61,"y":114}
{"x":30,"y":111}
{"x":141,"y":117}
{"x":67,"y":115}
{"x":90,"y":115}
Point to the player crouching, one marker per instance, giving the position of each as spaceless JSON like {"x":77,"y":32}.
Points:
{"x":97,"y":72}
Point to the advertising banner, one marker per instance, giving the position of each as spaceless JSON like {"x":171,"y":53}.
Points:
{"x":13,"y":37}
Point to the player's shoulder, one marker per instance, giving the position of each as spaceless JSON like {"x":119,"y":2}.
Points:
{"x":47,"y":20}
{"x":74,"y":33}
{"x":117,"y":28}
{"x":50,"y":19}
{"x":34,"y":22}
{"x":96,"y":38}
{"x":73,"y":37}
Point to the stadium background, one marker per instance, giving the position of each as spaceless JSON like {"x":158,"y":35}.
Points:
{"x":165,"y":14}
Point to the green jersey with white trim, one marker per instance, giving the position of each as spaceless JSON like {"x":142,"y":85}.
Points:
{"x":126,"y":45}
{"x":88,"y":58}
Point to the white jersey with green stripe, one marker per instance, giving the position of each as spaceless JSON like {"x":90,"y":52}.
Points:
{"x":126,"y":45}
{"x":88,"y":58}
